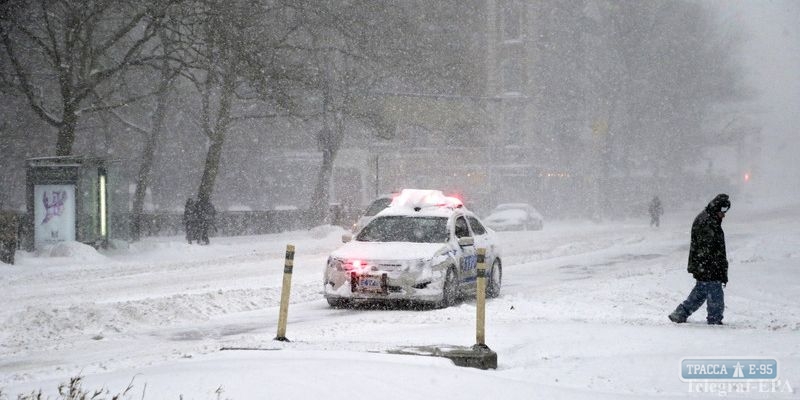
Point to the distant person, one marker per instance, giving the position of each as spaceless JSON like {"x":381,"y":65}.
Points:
{"x":708,"y":263}
{"x":9,"y":224}
{"x":335,"y":213}
{"x":190,"y":220}
{"x":206,"y":215}
{"x":656,"y":210}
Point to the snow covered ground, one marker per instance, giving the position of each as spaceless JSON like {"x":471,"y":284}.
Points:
{"x":582,"y":315}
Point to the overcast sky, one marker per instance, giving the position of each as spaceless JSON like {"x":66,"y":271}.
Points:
{"x":773,"y":57}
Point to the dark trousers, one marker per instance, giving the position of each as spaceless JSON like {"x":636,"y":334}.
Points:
{"x":203,"y":239}
{"x":704,"y":292}
{"x":7,"y":249}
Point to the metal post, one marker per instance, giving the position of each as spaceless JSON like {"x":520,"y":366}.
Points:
{"x":377,"y":175}
{"x":480,"y":355}
{"x":480,"y":334}
{"x":287,"y":286}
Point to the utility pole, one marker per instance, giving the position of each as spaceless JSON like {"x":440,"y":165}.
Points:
{"x":377,"y":175}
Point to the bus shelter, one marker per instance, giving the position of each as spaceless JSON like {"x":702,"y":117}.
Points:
{"x":67,"y":200}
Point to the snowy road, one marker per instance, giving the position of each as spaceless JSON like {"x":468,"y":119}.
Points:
{"x":583,"y":309}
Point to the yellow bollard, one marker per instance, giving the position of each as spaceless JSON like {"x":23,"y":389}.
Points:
{"x":287,"y":286}
{"x":480,"y":296}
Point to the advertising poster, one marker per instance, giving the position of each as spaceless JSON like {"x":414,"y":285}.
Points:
{"x":53,"y":213}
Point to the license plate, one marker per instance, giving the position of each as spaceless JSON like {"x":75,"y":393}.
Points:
{"x":371,"y":284}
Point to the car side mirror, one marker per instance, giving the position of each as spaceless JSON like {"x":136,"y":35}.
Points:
{"x":346,"y":237}
{"x":466,"y":241}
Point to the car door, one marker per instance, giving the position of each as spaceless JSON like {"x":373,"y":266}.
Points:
{"x":468,"y":259}
{"x":482,"y":239}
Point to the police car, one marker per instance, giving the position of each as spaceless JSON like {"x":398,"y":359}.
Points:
{"x":422,"y":248}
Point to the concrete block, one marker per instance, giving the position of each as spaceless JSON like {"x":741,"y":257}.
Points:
{"x":478,"y":356}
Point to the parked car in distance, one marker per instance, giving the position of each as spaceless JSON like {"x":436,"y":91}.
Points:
{"x":376,"y":206}
{"x":514,"y":217}
{"x":422,"y":249}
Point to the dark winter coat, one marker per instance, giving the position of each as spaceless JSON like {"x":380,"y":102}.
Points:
{"x":708,"y":260}
{"x":189,"y":212}
{"x":655,"y":207}
{"x":206,"y":214}
{"x":190,"y":221}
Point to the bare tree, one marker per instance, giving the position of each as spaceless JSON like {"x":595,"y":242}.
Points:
{"x":676,"y":64}
{"x":63,"y":52}
{"x":351,"y":49}
{"x":645,"y":76}
{"x":232,"y":66}
{"x":167,"y":69}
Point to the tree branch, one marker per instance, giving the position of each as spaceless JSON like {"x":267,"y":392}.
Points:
{"x":26,"y":88}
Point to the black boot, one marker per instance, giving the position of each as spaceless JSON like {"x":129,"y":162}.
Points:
{"x":677,"y":317}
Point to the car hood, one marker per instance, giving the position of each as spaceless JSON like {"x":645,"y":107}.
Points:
{"x":388,"y":250}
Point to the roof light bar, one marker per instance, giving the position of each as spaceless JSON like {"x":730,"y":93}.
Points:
{"x":419,"y":198}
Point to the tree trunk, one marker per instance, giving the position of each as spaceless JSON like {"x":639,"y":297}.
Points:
{"x":217,"y":138}
{"x":211,"y":168}
{"x":330,"y":140}
{"x":319,"y":200}
{"x":66,"y":131}
{"x":148,"y":153}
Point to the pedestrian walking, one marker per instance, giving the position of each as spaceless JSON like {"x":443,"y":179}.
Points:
{"x":656,"y":210}
{"x":190,"y":220}
{"x":9,"y":225}
{"x":708,"y":263}
{"x":206,"y":216}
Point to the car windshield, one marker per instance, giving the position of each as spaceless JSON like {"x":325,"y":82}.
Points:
{"x":405,"y":229}
{"x":508,"y":213}
{"x":511,"y":206}
{"x":377,"y":206}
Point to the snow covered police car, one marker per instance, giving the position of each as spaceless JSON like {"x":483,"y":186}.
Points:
{"x":422,"y":248}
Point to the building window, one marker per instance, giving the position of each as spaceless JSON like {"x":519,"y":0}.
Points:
{"x":512,"y":68}
{"x":512,"y":19}
{"x":511,"y":77}
{"x":513,"y":127}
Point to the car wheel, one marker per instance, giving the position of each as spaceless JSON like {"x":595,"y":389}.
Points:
{"x":449,"y":289}
{"x":495,"y":280}
{"x":337,"y":302}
